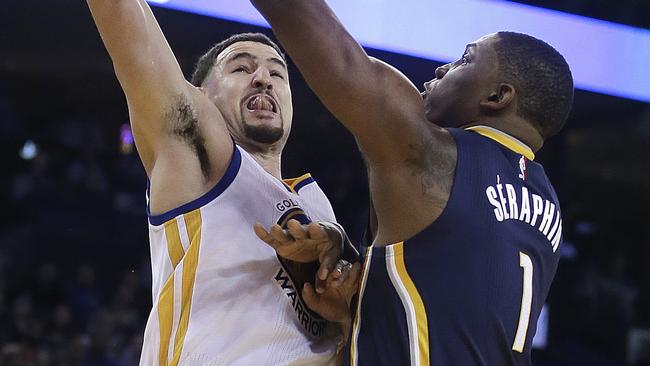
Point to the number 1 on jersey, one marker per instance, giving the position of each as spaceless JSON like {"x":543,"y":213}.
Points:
{"x":526,"y":302}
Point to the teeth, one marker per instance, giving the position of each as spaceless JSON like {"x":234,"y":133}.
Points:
{"x":259,"y":103}
{"x":254,"y":103}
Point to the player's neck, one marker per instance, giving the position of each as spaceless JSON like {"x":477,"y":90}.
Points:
{"x":270,"y":161}
{"x":269,"y":157}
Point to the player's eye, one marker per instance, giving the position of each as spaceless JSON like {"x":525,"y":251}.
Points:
{"x":277,"y":74}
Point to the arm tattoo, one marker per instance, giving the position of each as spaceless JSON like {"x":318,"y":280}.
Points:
{"x":185,"y":125}
{"x":434,"y":166}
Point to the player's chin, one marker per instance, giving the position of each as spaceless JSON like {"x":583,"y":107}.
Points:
{"x":433,"y":117}
{"x":438,"y":117}
{"x":263,"y":134}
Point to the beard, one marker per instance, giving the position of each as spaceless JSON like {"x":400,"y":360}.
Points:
{"x":263,"y":134}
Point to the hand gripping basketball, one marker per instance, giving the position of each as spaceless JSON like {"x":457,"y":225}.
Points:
{"x":306,"y":243}
{"x":333,"y":303}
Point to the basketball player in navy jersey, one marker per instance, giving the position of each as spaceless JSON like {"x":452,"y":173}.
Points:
{"x":468,"y":224}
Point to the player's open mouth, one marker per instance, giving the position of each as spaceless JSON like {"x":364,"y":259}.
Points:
{"x":261,"y":102}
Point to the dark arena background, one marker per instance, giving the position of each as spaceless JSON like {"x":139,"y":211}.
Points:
{"x":74,"y":253}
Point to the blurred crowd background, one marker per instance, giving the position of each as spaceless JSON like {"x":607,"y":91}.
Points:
{"x":74,"y":254}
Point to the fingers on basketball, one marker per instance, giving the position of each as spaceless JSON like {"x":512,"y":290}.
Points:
{"x":328,"y":259}
{"x":282,"y":236}
{"x":310,"y":296}
{"x":316,"y":231}
{"x":296,"y":229}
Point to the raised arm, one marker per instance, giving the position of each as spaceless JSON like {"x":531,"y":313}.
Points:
{"x":410,"y":160}
{"x":376,"y":102}
{"x":146,"y":69}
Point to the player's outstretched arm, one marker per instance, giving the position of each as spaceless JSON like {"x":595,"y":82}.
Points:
{"x":377,"y":103}
{"x":146,"y":69}
{"x":410,"y":160}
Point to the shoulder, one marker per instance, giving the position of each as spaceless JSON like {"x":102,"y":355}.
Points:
{"x":432,"y":160}
{"x":411,"y":195}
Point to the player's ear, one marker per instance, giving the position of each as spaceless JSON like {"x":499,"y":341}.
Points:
{"x":500,"y":98}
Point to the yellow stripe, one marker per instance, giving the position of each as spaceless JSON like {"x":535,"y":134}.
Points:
{"x":505,"y":140}
{"x":165,"y":318}
{"x":357,"y":319}
{"x":190,"y":263}
{"x":293,"y":182}
{"x":418,"y":304}
{"x":166,"y":299}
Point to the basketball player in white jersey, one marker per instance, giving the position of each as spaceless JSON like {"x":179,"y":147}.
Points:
{"x":212,"y":152}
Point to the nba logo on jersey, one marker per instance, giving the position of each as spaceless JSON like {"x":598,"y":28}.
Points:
{"x":522,"y":168}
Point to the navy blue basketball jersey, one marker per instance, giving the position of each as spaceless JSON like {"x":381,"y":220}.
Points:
{"x":468,"y":289}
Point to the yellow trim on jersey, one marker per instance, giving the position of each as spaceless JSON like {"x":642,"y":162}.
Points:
{"x":166,"y":299}
{"x":356,"y":326}
{"x":293,"y":182}
{"x":190,"y":263}
{"x":416,"y":314}
{"x":165,"y":319}
{"x":504,"y":139}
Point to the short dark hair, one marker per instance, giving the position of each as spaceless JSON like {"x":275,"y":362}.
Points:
{"x":542,"y":78}
{"x":205,"y":63}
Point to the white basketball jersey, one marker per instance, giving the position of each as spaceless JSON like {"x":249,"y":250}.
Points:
{"x":220,"y":295}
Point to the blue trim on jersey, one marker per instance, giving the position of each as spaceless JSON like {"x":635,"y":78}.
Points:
{"x":220,"y":187}
{"x":295,"y":213}
{"x":303,"y":183}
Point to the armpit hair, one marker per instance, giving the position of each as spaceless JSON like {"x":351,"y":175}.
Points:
{"x":185,"y":125}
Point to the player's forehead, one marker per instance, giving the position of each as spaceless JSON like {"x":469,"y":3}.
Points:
{"x":485,"y":43}
{"x":250,"y":50}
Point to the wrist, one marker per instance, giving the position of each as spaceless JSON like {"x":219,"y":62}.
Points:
{"x":335,"y":232}
{"x":348,"y":251}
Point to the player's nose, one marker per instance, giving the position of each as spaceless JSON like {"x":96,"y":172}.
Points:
{"x":262,"y":79}
{"x":442,"y":71}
